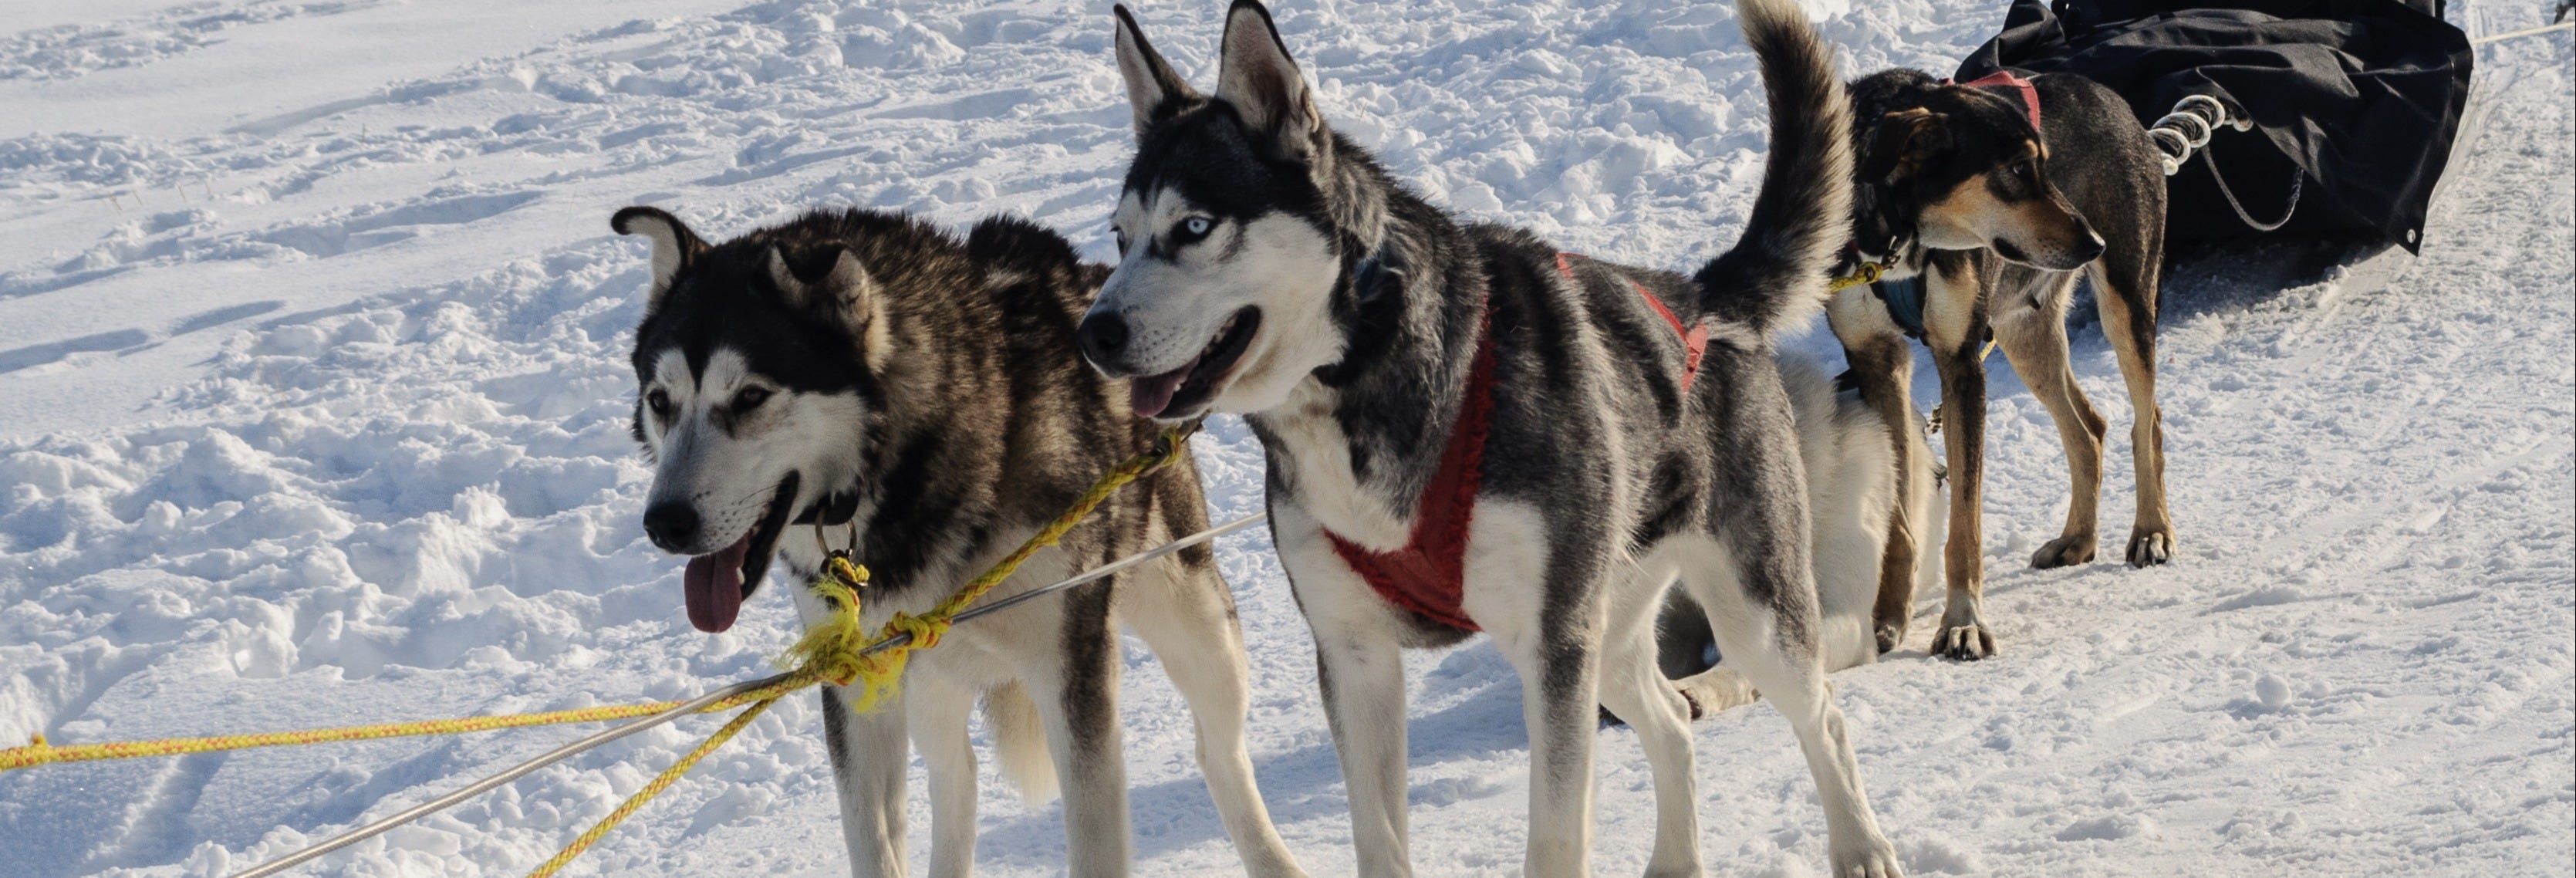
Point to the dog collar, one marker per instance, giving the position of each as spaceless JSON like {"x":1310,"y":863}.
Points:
{"x":2006,"y":79}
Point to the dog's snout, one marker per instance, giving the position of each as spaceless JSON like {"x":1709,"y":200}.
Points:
{"x":1103,"y":337}
{"x":672,"y":525}
{"x":2089,"y":247}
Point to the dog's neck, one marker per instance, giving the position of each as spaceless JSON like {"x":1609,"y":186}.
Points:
{"x":1409,"y":305}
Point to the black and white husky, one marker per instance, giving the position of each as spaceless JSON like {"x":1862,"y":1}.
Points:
{"x":1468,"y":429}
{"x":865,"y":378}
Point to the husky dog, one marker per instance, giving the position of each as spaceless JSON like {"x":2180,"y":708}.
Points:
{"x":1853,"y":497}
{"x":1987,"y":200}
{"x":917,"y":400}
{"x":1468,"y":429}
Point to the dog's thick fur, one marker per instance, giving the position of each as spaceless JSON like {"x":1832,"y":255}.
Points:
{"x":1270,"y":267}
{"x":871,"y":378}
{"x":1999,"y":221}
{"x":1853,"y":494}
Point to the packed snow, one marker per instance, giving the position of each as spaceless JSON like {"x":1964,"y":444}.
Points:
{"x":313,"y":406}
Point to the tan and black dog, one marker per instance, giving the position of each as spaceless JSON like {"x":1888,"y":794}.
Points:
{"x":1984,"y":236}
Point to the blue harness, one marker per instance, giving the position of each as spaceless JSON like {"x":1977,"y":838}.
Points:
{"x":1904,"y":300}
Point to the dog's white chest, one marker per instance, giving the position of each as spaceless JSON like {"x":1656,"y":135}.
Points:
{"x":1318,"y":458}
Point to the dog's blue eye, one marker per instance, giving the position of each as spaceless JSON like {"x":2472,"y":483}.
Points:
{"x":659,"y":402}
{"x":1193,"y":229}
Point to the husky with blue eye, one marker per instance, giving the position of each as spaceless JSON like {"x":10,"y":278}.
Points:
{"x":1470,"y":430}
{"x":862,"y":381}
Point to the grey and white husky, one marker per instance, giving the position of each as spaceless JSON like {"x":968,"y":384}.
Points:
{"x":1470,"y":430}
{"x":917,"y":400}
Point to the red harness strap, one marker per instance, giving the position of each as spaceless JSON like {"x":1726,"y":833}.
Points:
{"x":2006,"y":79}
{"x":1694,"y":339}
{"x":1429,"y":575}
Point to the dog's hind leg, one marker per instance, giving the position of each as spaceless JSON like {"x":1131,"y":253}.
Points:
{"x":1882,"y":367}
{"x":1182,"y":609}
{"x":2124,"y":291}
{"x":937,"y":713}
{"x":1754,"y":578}
{"x":1537,"y":586}
{"x":1753,"y":574}
{"x":2029,"y":314}
{"x":869,"y":758}
{"x":1634,"y":688}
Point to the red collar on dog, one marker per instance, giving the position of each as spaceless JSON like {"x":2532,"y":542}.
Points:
{"x":1428,"y":575}
{"x":2006,"y":79}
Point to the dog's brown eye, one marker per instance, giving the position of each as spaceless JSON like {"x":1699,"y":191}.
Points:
{"x":659,"y":402}
{"x":749,"y":398}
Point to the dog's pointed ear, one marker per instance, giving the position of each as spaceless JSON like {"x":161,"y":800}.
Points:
{"x":829,"y":280}
{"x":1262,"y":83}
{"x":832,"y":283}
{"x":1905,"y":140}
{"x":1153,"y":89}
{"x":674,"y":246}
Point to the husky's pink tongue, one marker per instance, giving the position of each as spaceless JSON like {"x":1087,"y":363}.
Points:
{"x":1151,"y":395}
{"x":714,"y":583}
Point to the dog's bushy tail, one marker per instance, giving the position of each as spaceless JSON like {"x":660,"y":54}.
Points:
{"x":1019,"y":742}
{"x":1775,"y":275}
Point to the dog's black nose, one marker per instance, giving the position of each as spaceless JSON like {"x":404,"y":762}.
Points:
{"x":671,"y":525}
{"x":2090,"y":248}
{"x":1103,"y":337}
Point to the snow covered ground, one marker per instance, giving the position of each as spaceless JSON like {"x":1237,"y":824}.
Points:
{"x":312,"y":405}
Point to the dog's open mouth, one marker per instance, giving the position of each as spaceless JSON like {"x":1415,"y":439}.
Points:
{"x":717,"y":582}
{"x":1190,"y":386}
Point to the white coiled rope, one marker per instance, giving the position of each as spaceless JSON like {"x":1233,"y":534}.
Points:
{"x":2187,"y":129}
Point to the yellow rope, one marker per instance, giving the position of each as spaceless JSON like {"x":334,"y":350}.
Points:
{"x":833,"y":651}
{"x":880,"y":674}
{"x":41,"y":752}
{"x":1868,"y":274}
{"x":663,"y":782}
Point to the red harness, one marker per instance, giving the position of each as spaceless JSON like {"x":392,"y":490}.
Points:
{"x":1429,"y":576}
{"x":2005,"y":78}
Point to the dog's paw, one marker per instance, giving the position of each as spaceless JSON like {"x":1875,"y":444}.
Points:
{"x":1715,"y":689}
{"x":1889,"y":636}
{"x":1963,"y":635}
{"x":1874,"y":859}
{"x":2064,"y":552}
{"x":1966,"y":643}
{"x":2150,"y":546}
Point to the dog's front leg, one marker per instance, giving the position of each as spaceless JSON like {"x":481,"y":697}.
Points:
{"x":1955,"y":329}
{"x":1882,"y":367}
{"x":938,"y":719}
{"x":1360,"y":670}
{"x":1078,"y":702}
{"x":869,"y":757}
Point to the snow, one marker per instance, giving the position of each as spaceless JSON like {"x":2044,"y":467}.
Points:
{"x":312,"y":401}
